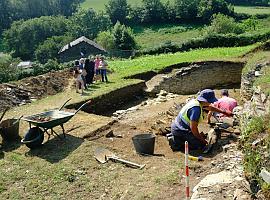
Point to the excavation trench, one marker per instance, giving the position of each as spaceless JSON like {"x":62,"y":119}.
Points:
{"x":182,"y":79}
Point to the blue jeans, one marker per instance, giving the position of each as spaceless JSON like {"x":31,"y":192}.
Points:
{"x":180,"y":136}
{"x":104,"y":75}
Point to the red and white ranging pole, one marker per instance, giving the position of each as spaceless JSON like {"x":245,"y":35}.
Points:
{"x":187,"y":171}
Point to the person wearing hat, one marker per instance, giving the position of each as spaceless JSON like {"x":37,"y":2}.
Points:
{"x":225,"y":103}
{"x":185,"y":126}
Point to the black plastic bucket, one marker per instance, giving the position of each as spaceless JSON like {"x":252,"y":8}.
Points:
{"x":144,"y":143}
{"x":9,"y":130}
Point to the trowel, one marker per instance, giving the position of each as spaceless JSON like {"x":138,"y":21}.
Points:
{"x":103,"y":155}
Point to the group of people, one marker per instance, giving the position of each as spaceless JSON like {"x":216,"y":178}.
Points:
{"x":85,"y":71}
{"x":185,"y":126}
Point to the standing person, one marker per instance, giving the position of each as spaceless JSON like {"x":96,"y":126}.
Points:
{"x":97,"y":63}
{"x":89,"y":66}
{"x":225,"y":103}
{"x":81,"y":63}
{"x":79,"y":81}
{"x":103,"y":69}
{"x":185,"y":126}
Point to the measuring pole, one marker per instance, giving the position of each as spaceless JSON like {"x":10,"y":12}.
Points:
{"x":187,"y":171}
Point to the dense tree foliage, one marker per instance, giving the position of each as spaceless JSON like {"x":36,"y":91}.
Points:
{"x":49,"y":48}
{"x":117,"y":10}
{"x":106,"y":40}
{"x":186,"y":9}
{"x":222,"y":24}
{"x":88,"y":23}
{"x":154,"y":11}
{"x":123,"y":37}
{"x":24,"y":36}
{"x":5,"y":14}
{"x":207,"y":8}
{"x":250,"y":2}
{"x":12,"y":10}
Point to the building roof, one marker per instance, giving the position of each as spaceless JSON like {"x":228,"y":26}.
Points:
{"x":25,"y":64}
{"x":78,"y":41}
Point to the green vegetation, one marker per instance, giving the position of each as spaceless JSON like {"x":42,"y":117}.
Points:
{"x":148,"y":63}
{"x":151,"y":36}
{"x":255,"y":158}
{"x":252,"y":10}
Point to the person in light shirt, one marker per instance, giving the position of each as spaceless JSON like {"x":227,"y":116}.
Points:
{"x":225,"y":103}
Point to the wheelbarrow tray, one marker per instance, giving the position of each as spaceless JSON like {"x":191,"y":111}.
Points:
{"x":55,"y":118}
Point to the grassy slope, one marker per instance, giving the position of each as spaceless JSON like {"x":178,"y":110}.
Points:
{"x":149,"y":36}
{"x":252,"y":10}
{"x":100,"y":4}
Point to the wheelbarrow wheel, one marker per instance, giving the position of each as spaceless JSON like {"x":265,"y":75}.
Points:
{"x":33,"y":138}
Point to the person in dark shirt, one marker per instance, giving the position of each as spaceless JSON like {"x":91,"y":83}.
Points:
{"x":185,"y":126}
{"x":89,"y":66}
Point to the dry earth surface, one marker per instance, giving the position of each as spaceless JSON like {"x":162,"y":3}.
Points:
{"x":63,"y":169}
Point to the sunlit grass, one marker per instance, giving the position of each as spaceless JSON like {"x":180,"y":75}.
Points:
{"x":252,"y":10}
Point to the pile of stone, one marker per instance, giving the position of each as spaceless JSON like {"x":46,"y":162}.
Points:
{"x":227,"y":180}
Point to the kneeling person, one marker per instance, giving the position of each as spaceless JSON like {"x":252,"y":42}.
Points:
{"x":185,"y":126}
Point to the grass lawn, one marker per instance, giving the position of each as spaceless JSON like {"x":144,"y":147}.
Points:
{"x":100,"y":4}
{"x":252,"y":10}
{"x":149,"y":36}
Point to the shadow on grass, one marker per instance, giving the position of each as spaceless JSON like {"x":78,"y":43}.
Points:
{"x":55,"y":150}
{"x":8,"y":146}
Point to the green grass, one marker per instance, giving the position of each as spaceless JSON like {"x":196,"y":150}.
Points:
{"x":149,"y":36}
{"x":100,"y":4}
{"x":147,"y":63}
{"x":252,"y":10}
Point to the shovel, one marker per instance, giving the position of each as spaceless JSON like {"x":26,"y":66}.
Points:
{"x":103,"y":155}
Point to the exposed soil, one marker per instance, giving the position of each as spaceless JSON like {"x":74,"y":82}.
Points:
{"x":30,"y":89}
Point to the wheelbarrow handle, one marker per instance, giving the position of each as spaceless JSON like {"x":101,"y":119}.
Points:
{"x":88,"y":102}
{"x":3,"y":114}
{"x":131,"y":164}
{"x":64,"y":104}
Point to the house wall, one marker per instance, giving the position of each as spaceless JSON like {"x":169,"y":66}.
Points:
{"x":74,"y":53}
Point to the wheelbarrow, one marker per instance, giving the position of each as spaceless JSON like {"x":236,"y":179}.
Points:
{"x":9,"y":128}
{"x":46,"y":121}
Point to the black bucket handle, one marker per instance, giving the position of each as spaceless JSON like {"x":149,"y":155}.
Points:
{"x":3,"y":114}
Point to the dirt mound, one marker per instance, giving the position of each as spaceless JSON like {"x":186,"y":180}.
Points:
{"x":33,"y":88}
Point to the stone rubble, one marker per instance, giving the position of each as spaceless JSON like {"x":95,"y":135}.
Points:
{"x":227,"y":180}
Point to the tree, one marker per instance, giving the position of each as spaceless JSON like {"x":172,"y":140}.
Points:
{"x":223,"y":24}
{"x":106,"y":40}
{"x":251,"y":23}
{"x":153,"y":11}
{"x":23,"y":37}
{"x":88,"y":23}
{"x":50,"y":47}
{"x":123,"y":37}
{"x":5,"y":15}
{"x":207,"y":8}
{"x":186,"y":9}
{"x":117,"y":10}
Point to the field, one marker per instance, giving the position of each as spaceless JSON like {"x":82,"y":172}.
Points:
{"x":252,"y":10}
{"x":100,"y":4}
{"x":148,"y":37}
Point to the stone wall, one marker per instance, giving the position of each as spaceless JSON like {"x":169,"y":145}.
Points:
{"x":201,"y":75}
